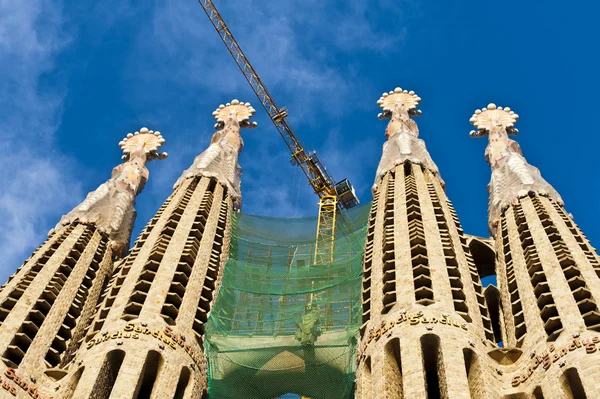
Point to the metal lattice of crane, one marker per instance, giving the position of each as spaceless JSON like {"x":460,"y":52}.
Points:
{"x":341,"y":194}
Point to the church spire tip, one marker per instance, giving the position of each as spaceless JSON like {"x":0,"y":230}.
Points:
{"x":512,"y":176}
{"x":234,"y":112}
{"x":402,"y":133}
{"x":111,"y":206}
{"x":220,"y":159}
{"x":399,"y":101}
{"x":143,"y":141}
{"x":493,"y":117}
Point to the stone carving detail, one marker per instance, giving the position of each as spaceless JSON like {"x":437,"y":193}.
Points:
{"x":512,"y":177}
{"x":111,"y":206}
{"x":402,"y":134}
{"x":220,"y":159}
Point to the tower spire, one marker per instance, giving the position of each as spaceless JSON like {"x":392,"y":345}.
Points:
{"x":167,"y":282}
{"x":512,"y":176}
{"x":402,"y":134}
{"x":416,"y":262}
{"x":220,"y":159}
{"x":47,"y":305}
{"x":546,"y":270}
{"x":111,"y":206}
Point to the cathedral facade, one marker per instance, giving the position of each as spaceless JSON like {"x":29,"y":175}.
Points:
{"x":86,"y":317}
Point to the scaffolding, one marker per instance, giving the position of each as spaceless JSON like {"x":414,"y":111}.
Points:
{"x":282,"y":323}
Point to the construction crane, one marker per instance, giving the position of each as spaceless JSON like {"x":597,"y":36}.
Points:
{"x":334,"y":198}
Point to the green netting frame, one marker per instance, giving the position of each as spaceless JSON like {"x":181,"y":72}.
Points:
{"x":280,"y":323}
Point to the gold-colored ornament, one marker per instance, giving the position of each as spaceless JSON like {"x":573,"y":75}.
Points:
{"x":399,"y":102}
{"x":487,"y":118}
{"x":241,"y":111}
{"x":146,"y":141}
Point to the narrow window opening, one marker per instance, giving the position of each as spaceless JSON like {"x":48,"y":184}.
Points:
{"x":389,"y":263}
{"x":184,"y":381}
{"x":468,"y":354}
{"x":423,"y":285}
{"x":366,"y":381}
{"x":537,"y":393}
{"x":74,"y":381}
{"x":211,"y":185}
{"x":474,"y":374}
{"x":574,"y":384}
{"x":149,"y":374}
{"x":484,"y":257}
{"x":393,"y":366}
{"x":407,"y":169}
{"x":492,"y":297}
{"x":545,"y":301}
{"x":108,"y":375}
{"x":432,"y":362}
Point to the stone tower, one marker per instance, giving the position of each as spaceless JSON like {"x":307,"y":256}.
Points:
{"x":547,"y":271}
{"x":47,"y":304}
{"x":424,"y":312}
{"x":72,"y":326}
{"x":147,"y":336}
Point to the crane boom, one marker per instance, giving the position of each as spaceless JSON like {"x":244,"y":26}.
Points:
{"x":318,"y":177}
{"x":333,"y":197}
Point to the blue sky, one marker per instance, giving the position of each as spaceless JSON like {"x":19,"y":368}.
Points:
{"x":76,"y":76}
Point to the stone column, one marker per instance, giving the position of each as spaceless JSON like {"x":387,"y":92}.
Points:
{"x":547,"y":270}
{"x":422,"y":296}
{"x":47,"y":304}
{"x":147,"y":337}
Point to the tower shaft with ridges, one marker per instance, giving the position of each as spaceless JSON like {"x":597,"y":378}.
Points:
{"x":417,"y":260}
{"x":422,"y":296}
{"x":43,"y":305}
{"x":549,"y":284}
{"x":168,"y":281}
{"x":47,"y":305}
{"x":546,"y":270}
{"x":146,"y":340}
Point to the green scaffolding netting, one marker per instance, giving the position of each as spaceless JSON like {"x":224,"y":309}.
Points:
{"x":282,"y":323}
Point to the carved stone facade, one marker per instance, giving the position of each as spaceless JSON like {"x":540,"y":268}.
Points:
{"x":77,"y":321}
{"x":423,"y":302}
{"x":146,"y":339}
{"x":429,"y":332}
{"x":47,"y":305}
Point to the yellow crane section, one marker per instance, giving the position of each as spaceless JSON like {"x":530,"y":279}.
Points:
{"x":325,"y":242}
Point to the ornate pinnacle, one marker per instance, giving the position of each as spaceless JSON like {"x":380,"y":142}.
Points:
{"x":493,"y":118}
{"x":234,"y":112}
{"x":512,"y":176}
{"x":220,"y":159}
{"x":402,"y":133}
{"x":145,"y":141}
{"x":111,"y":206}
{"x":399,"y":102}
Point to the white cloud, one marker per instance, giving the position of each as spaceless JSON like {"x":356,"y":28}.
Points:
{"x":292,"y":45}
{"x":36,"y":181}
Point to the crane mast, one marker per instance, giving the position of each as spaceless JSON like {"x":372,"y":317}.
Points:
{"x":334,"y":198}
